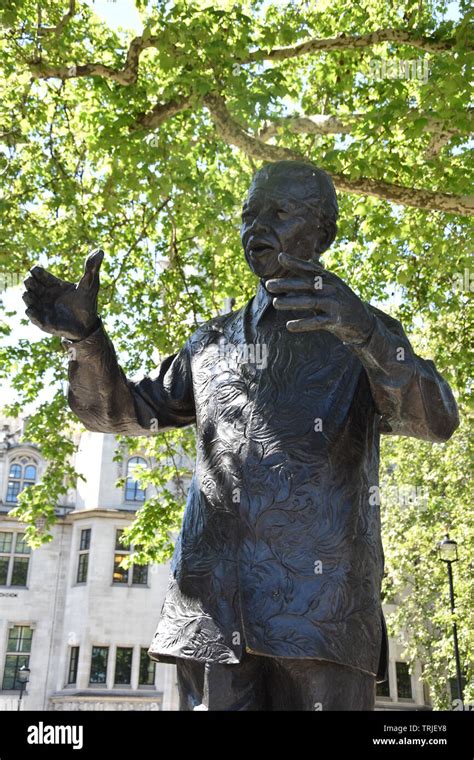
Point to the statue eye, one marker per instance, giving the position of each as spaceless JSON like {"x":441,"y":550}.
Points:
{"x":283,"y":213}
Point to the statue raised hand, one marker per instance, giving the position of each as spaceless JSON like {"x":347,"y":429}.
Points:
{"x":64,"y":308}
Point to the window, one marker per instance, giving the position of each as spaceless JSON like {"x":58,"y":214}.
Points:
{"x":139,"y":573}
{"x":453,"y":686}
{"x":133,"y":492}
{"x":146,"y":676}
{"x":85,"y":544}
{"x":121,"y":551}
{"x":123,"y":665}
{"x":383,"y":689}
{"x":18,"y":654}
{"x":14,"y":559}
{"x":403,"y":681}
{"x":100,"y":656}
{"x":22,"y":473}
{"x":83,"y":561}
{"x":73,"y":664}
{"x":82,"y":567}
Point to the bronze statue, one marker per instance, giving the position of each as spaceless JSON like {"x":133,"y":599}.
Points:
{"x":274,"y":594}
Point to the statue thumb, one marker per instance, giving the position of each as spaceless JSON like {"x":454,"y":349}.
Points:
{"x":91,"y":269}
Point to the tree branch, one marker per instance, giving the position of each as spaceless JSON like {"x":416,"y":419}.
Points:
{"x":126,"y":76}
{"x":56,"y":30}
{"x":160,"y":113}
{"x":352,"y":42}
{"x":406,"y":196}
{"x":316,"y":124}
{"x":322,"y":124}
{"x":129,"y":74}
{"x":234,"y":134}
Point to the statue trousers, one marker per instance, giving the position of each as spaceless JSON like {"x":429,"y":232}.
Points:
{"x":273,"y":683}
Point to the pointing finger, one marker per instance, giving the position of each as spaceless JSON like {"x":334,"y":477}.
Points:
{"x":295,"y":302}
{"x":299,"y":265}
{"x":308,"y":324}
{"x":288,"y":285}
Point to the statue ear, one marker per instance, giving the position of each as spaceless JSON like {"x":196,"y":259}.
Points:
{"x":326,"y":236}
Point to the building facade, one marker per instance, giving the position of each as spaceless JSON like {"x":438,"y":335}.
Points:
{"x":70,"y":613}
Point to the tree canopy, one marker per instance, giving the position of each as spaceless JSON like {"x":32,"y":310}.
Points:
{"x":145,"y":145}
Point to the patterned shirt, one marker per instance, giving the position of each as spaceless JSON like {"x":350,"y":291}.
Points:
{"x":280,"y":551}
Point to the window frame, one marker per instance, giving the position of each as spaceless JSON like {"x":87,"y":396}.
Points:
{"x":13,"y":557}
{"x":73,"y":665}
{"x":83,"y":556}
{"x":23,"y":460}
{"x":18,"y":654}
{"x":136,"y":460}
{"x":143,"y":655}
{"x":130,"y":650}
{"x":122,"y":551}
{"x":453,"y":687}
{"x":107,"y":665}
{"x":399,"y":698}
{"x":384,"y":697}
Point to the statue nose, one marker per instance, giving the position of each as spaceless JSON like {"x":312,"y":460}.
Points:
{"x":260,"y":225}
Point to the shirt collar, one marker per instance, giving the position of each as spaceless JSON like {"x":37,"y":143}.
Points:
{"x":262,"y":300}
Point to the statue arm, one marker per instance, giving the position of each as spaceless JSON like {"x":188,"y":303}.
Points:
{"x":411,"y":396}
{"x":105,"y":401}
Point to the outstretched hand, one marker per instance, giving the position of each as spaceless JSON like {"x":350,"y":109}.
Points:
{"x":330,"y":303}
{"x":64,"y":308}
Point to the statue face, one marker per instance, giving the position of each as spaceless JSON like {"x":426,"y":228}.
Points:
{"x":275,"y":218}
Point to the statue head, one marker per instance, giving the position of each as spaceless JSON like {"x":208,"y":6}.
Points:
{"x":292,"y":207}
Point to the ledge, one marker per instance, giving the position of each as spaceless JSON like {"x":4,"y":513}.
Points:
{"x":107,"y":694}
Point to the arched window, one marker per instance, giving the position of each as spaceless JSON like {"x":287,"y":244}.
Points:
{"x":22,"y":473}
{"x":133,"y":492}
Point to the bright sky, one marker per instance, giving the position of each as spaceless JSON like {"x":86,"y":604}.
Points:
{"x":118,"y":13}
{"x":123,"y":13}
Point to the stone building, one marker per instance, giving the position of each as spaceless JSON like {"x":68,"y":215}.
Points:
{"x":74,"y":617}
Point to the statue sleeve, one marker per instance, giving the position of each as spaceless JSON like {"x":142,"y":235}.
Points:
{"x":410,"y":395}
{"x":105,"y":401}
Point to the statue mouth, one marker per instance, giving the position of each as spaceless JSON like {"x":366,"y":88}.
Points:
{"x":260,"y":248}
